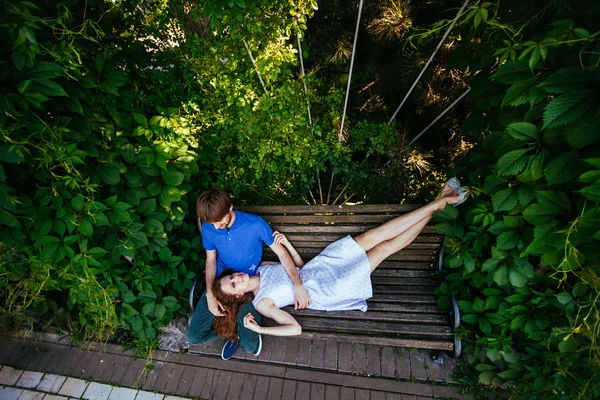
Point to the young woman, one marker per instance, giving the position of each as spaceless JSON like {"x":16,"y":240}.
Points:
{"x":337,"y":279}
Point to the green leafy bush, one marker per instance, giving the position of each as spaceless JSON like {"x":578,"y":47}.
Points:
{"x":522,"y":256}
{"x":97,"y":150}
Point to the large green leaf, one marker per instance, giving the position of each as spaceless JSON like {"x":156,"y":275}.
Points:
{"x":8,"y":156}
{"x":45,"y":69}
{"x":583,"y":133}
{"x":49,"y":88}
{"x":511,"y":72}
{"x":567,"y":80}
{"x":524,"y":131}
{"x":568,"y":107}
{"x":559,"y":169}
{"x":504,"y":200}
{"x":508,"y":240}
{"x":173,"y":178}
{"x":516,"y":279}
{"x":554,"y":201}
{"x":512,"y":162}
{"x":592,"y":192}
{"x":110,"y":174}
{"x":519,"y":92}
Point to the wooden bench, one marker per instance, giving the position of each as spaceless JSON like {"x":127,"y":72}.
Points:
{"x":403,"y":309}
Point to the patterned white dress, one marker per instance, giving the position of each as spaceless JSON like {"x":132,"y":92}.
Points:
{"x":339,"y":278}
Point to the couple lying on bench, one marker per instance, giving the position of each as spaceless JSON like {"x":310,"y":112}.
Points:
{"x":336,"y":279}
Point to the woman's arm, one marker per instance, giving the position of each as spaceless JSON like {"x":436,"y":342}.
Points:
{"x":282,"y":239}
{"x":288,"y":326}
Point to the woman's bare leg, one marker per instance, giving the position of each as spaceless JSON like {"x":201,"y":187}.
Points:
{"x":385,"y":249}
{"x":398,"y":225}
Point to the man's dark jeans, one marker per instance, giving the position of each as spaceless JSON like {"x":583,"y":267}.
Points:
{"x":200,"y":330}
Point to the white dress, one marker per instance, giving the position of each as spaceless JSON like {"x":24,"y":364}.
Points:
{"x":339,"y":278}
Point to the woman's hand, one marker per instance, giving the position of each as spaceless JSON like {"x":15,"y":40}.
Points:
{"x":251,"y":324}
{"x":280,"y":238}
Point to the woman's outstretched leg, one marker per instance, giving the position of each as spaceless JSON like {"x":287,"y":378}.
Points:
{"x":385,"y":249}
{"x":398,"y":225}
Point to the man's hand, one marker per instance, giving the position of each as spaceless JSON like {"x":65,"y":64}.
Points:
{"x":301,"y":298}
{"x":214,"y":306}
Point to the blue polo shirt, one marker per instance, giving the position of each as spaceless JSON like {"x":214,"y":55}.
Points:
{"x":239,"y":247}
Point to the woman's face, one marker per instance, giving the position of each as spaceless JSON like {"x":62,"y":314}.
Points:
{"x":235,"y":284}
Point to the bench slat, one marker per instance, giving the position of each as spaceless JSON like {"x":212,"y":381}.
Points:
{"x":374,"y":315}
{"x":405,"y":308}
{"x":367,"y":327}
{"x":349,"y":229}
{"x":415,"y":298}
{"x":363,"y":208}
{"x":423,"y":240}
{"x":420,"y":343}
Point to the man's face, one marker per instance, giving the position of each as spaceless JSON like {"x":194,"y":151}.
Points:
{"x":225,"y":222}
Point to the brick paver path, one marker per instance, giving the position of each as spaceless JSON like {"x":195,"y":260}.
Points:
{"x":292,"y":369}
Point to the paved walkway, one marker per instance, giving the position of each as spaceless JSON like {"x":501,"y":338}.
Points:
{"x":45,"y":365}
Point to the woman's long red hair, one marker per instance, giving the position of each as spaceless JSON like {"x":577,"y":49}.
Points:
{"x":226,"y":327}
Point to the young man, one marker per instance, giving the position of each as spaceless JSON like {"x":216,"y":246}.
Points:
{"x":234,"y":239}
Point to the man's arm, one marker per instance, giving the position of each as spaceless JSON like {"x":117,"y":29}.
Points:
{"x":210,"y":270}
{"x":301,"y":296}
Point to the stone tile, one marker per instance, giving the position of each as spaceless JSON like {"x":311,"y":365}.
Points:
{"x":97,"y":391}
{"x":346,"y":393}
{"x":55,"y":397}
{"x":291,"y":351}
{"x":144,"y":395}
{"x":31,"y":395}
{"x":134,"y":376}
{"x":158,"y":377}
{"x":73,"y":387}
{"x":275,"y":390}
{"x":267,"y":349}
{"x":317,"y":353}
{"x":376,"y":395}
{"x":417,"y":364}
{"x":393,"y":396}
{"x":402,"y":359}
{"x":303,"y":391}
{"x":9,"y":393}
{"x":278,"y":351}
{"x":30,"y":379}
{"x":120,"y":393}
{"x":289,"y":388}
{"x":303,"y":356}
{"x":171,"y":397}
{"x":330,"y":358}
{"x":9,"y":375}
{"x":373,"y":360}
{"x":361,"y":394}
{"x":317,"y":391}
{"x":197,"y":382}
{"x":51,"y":383}
{"x":248,"y":387}
{"x":434,"y":370}
{"x":116,"y":375}
{"x":222,"y":385}
{"x":207,"y":385}
{"x":174,"y":379}
{"x":187,"y":377}
{"x":345,"y":358}
{"x":332,"y":392}
{"x":388,"y":364}
{"x":359,"y":358}
{"x":262,"y":388}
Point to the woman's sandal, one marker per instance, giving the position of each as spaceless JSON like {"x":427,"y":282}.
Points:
{"x":463,"y":192}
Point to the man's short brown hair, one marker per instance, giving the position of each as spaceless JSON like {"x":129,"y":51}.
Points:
{"x":213,"y":205}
